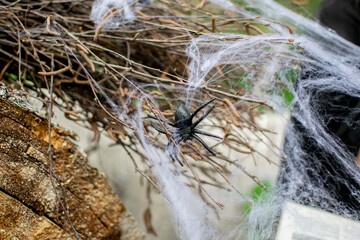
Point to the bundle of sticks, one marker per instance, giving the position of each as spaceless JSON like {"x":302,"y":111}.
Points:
{"x":52,"y":50}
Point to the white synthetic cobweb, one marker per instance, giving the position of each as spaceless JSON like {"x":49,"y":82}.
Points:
{"x":248,"y":55}
{"x":320,"y":62}
{"x":327,"y":91}
{"x":125,"y":14}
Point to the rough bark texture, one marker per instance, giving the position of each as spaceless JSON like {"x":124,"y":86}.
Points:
{"x":29,"y":206}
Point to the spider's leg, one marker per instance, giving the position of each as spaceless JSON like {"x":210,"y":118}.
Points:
{"x":201,"y":107}
{"x":207,"y":134}
{"x":204,"y":144}
{"x":203,"y":117}
{"x":171,"y":148}
{"x":177,"y":158}
{"x":157,"y":128}
{"x":168,"y":122}
{"x":170,"y":151}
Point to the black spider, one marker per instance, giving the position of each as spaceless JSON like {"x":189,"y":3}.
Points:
{"x":185,"y":129}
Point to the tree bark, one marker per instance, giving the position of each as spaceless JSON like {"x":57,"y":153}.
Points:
{"x":30,"y":207}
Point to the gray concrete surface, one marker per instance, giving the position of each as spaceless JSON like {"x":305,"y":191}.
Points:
{"x":300,"y":222}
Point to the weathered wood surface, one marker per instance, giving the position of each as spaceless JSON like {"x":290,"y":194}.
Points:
{"x":28,"y":203}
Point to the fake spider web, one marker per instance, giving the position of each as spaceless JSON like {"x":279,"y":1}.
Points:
{"x":261,"y":71}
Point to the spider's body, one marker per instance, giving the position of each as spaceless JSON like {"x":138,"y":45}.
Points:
{"x":185,"y":129}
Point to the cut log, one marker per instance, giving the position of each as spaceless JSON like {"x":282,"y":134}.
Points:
{"x":30,"y":208}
